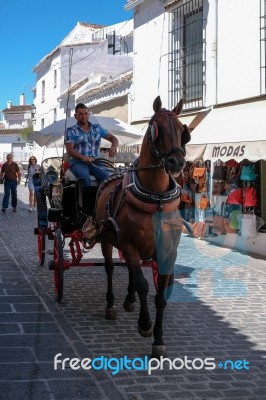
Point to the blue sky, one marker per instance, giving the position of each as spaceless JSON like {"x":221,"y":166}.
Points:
{"x":30,"y":30}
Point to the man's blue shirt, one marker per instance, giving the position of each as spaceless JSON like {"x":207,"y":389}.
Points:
{"x":86,"y":143}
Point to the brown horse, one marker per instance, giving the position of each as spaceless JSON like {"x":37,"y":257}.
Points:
{"x":138,"y":214}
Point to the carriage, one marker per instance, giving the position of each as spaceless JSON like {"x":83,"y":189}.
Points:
{"x":62,"y":209}
{"x":135,"y":211}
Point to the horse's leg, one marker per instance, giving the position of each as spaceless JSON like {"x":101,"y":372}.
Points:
{"x":107,"y":250}
{"x":165,"y":286}
{"x":142,"y":288}
{"x":130,"y":300}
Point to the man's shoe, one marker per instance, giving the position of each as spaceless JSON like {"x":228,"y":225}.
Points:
{"x":14,"y":209}
{"x":3,"y":210}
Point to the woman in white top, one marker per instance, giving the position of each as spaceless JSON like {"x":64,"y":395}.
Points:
{"x":33,"y":168}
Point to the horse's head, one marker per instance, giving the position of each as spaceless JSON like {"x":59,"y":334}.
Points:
{"x":167,"y":137}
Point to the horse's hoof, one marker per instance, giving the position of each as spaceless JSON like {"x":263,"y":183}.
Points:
{"x":145,"y":333}
{"x":158,"y":351}
{"x":129,"y":307}
{"x":111,"y":313}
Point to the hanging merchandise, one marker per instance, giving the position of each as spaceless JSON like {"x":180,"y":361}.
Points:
{"x":199,"y":174}
{"x":248,"y":172}
{"x":232,"y":163}
{"x":218,"y":226}
{"x":235,"y":196}
{"x":250,"y":197}
{"x":248,"y":225}
{"x":218,"y":188}
{"x":220,"y":172}
{"x":187,"y":172}
{"x":219,"y":222}
{"x":234,"y":219}
{"x":186,"y":196}
{"x":203,"y":203}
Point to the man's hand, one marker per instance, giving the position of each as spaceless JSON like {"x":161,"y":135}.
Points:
{"x":112,"y":151}
{"x":88,"y":159}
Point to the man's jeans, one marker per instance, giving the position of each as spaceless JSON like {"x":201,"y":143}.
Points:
{"x":10,"y":186}
{"x":83,"y":170}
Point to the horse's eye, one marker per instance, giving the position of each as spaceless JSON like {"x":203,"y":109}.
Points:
{"x":154,"y":131}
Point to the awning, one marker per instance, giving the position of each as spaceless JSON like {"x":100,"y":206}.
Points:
{"x":186,"y":119}
{"x":236,"y":131}
{"x":53,"y":135}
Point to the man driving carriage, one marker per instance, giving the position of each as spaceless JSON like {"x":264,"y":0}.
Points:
{"x":83,"y":142}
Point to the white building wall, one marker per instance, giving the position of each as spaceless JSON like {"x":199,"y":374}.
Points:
{"x":238,"y":49}
{"x":84,"y":60}
{"x":150,"y":71}
{"x":45,"y":109}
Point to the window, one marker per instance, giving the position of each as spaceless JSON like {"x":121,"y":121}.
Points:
{"x":55,"y":78}
{"x":187,"y":55}
{"x":263,"y":46}
{"x":43,"y":91}
{"x":42,"y":123}
{"x":55,"y":115}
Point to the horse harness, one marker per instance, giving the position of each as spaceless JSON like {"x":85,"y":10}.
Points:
{"x":152,"y":134}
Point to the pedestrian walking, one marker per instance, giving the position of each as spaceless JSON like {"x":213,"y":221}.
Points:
{"x":10,"y":176}
{"x":33,"y":168}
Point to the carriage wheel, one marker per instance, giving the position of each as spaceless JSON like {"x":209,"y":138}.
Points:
{"x":41,"y":246}
{"x":58,"y":265}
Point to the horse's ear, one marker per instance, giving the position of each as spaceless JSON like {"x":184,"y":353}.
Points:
{"x":185,"y":138}
{"x":178,"y":108}
{"x":157,"y":104}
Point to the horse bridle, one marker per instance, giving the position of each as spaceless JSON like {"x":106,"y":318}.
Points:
{"x":152,"y":134}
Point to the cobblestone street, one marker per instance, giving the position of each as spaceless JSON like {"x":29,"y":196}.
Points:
{"x":217,"y":310}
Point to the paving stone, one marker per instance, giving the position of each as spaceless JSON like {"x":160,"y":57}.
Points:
{"x":217,"y":310}
{"x":13,"y":390}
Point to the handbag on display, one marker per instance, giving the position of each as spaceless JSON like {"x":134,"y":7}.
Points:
{"x":186,"y":196}
{"x":218,"y":188}
{"x":248,"y":172}
{"x":248,"y":225}
{"x":199,"y":174}
{"x":250,"y":197}
{"x":219,"y":226}
{"x":219,"y":172}
{"x":235,"y":196}
{"x":203,"y":203}
{"x":234,"y":219}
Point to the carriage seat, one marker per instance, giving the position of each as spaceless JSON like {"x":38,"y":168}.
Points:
{"x":70,"y":177}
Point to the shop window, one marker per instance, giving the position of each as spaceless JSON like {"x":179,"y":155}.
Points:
{"x":55,"y":78}
{"x":43,"y":91}
{"x":187,"y":54}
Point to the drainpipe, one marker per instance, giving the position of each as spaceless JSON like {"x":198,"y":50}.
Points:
{"x":216,"y":58}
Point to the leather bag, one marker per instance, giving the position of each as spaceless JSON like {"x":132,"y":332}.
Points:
{"x":219,"y":227}
{"x":203,"y":203}
{"x":219,"y":172}
{"x":218,"y":188}
{"x":199,"y":174}
{"x":248,"y":172}
{"x":186,"y":196}
{"x":235,"y":196}
{"x":250,"y":197}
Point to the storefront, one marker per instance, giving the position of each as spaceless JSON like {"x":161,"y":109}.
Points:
{"x":228,"y":145}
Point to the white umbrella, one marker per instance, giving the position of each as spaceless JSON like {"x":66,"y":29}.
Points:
{"x":53,"y":135}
